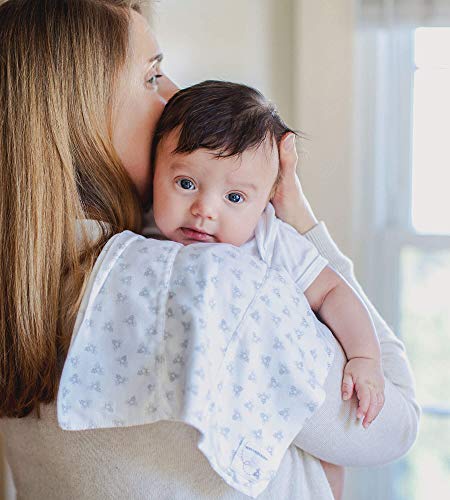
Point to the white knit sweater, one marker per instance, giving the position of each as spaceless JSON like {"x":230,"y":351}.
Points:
{"x":162,"y":460}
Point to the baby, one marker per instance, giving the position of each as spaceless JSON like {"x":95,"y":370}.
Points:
{"x":216,"y":168}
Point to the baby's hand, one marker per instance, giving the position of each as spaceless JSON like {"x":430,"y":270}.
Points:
{"x":365,"y":377}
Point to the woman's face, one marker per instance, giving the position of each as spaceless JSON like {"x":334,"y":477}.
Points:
{"x":142,"y":94}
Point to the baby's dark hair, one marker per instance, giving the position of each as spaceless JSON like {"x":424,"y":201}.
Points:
{"x":224,"y":117}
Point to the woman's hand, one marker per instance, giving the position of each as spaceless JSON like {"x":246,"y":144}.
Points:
{"x":289,"y":201}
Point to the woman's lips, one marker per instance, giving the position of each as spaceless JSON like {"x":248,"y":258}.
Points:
{"x":196,"y":235}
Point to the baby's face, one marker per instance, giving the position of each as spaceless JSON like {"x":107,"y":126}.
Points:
{"x":200,"y":198}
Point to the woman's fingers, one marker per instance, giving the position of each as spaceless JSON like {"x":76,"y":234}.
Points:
{"x":289,"y":200}
{"x":288,"y":155}
{"x":347,"y":386}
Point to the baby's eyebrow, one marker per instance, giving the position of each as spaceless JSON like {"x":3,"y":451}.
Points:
{"x":248,"y":185}
{"x":245,"y":185}
{"x":178,"y":166}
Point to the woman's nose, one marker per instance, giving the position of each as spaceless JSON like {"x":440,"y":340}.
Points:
{"x":205,"y":208}
{"x":168,"y":88}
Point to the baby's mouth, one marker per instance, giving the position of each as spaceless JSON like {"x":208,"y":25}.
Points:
{"x":197,"y":235}
{"x":193,"y":234}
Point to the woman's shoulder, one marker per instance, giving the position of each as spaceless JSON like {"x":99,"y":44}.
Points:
{"x":130,"y":250}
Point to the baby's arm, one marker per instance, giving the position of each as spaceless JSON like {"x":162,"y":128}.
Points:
{"x":336,"y":477}
{"x":333,"y":299}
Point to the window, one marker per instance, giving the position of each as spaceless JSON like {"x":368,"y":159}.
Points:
{"x":424,"y":312}
{"x":406,"y":155}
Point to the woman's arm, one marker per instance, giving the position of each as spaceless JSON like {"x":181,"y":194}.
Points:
{"x":338,"y":306}
{"x":333,"y":434}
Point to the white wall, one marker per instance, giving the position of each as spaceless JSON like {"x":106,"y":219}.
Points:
{"x":246,"y":41}
{"x":323,"y":65}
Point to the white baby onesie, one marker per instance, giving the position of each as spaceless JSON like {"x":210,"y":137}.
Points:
{"x":208,"y":334}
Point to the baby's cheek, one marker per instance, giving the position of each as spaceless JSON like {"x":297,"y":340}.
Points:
{"x":163,"y":216}
{"x":239,"y":232}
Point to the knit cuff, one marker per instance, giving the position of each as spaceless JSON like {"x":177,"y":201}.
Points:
{"x":322,"y":240}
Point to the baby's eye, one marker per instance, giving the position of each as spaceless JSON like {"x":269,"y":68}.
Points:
{"x":186,"y":184}
{"x":235,"y":197}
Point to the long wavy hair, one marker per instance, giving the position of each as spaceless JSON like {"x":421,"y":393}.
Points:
{"x":59,"y":67}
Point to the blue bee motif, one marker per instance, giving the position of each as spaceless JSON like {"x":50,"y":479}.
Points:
{"x":244,"y":355}
{"x":294,"y":392}
{"x":282,"y":369}
{"x":263,"y":397}
{"x":278,"y":344}
{"x":249,"y":405}
{"x":75,"y":379}
{"x":278,"y":435}
{"x":266,"y":361}
{"x":91,"y":348}
{"x":120,"y":380}
{"x":74,"y":361}
{"x":236,"y":415}
{"x":108,"y":326}
{"x":258,"y":434}
{"x":274,"y":383}
{"x":123,"y":361}
{"x":284,"y":413}
{"x":132,"y":401}
{"x":237,"y":389}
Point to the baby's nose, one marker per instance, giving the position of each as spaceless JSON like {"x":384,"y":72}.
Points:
{"x":205,"y":208}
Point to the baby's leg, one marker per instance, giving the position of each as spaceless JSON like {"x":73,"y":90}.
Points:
{"x":335,"y":475}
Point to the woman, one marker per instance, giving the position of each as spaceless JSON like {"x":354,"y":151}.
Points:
{"x":80,"y":91}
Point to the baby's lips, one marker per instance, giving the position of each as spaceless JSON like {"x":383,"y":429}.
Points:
{"x":195,"y":235}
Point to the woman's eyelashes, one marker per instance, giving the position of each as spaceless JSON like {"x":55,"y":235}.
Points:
{"x":153,"y":75}
{"x":153,"y":80}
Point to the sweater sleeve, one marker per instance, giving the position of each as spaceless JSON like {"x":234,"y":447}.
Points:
{"x":333,"y":433}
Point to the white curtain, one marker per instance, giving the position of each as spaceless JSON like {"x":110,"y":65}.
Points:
{"x":411,"y":13}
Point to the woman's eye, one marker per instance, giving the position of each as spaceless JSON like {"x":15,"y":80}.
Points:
{"x":153,"y":80}
{"x":235,"y":197}
{"x":186,"y":184}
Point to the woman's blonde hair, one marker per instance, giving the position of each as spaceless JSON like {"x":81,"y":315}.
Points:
{"x":59,"y":66}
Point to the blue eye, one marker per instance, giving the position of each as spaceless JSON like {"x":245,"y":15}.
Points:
{"x":186,"y":184}
{"x":235,"y":197}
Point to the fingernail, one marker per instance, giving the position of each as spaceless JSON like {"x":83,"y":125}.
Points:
{"x":345,"y":395}
{"x":289,"y":142}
